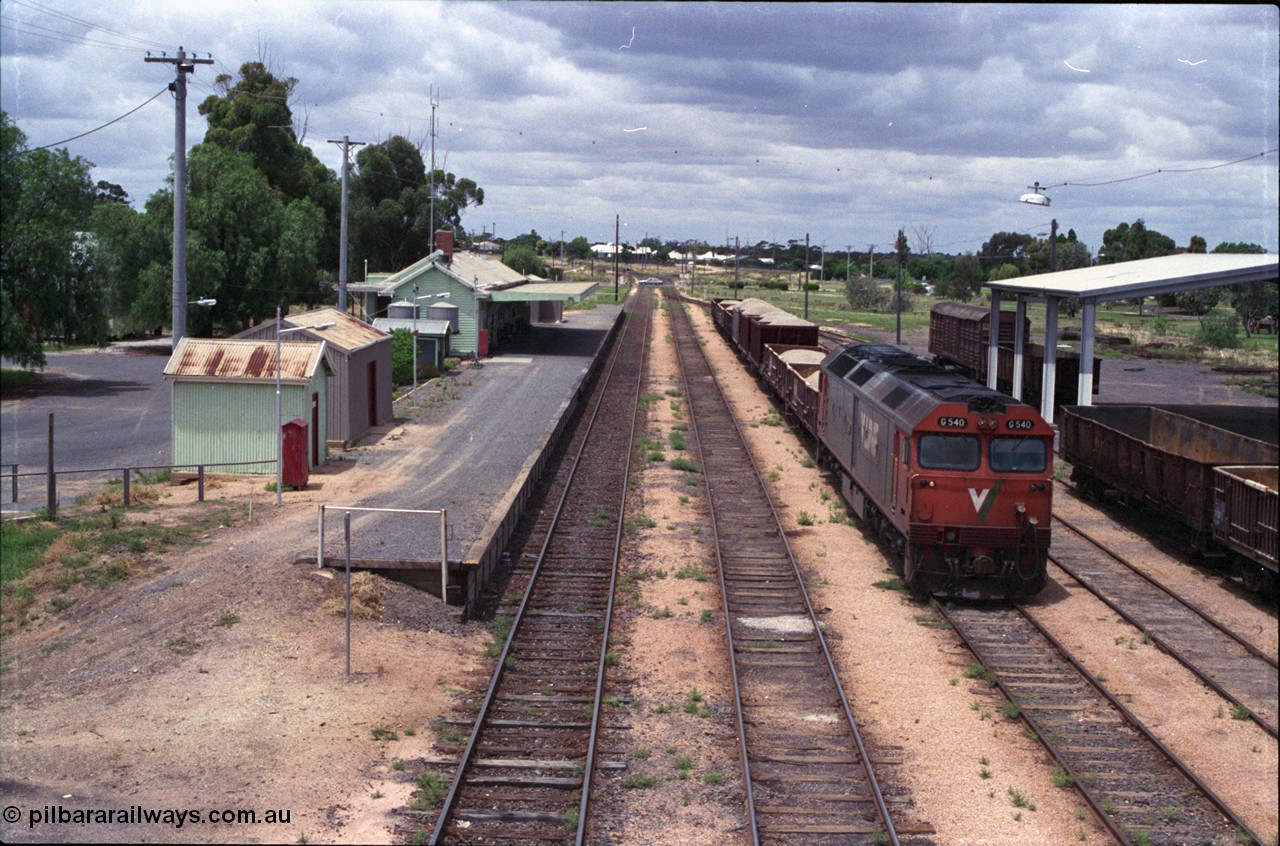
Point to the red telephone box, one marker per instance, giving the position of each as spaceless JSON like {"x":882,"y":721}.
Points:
{"x":295,"y":466}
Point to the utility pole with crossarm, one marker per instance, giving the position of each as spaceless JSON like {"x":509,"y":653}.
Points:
{"x":185,"y":64}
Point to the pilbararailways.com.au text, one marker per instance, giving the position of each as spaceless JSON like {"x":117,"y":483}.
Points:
{"x":138,"y":815}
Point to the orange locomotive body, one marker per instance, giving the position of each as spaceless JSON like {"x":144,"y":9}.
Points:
{"x":956,"y":478}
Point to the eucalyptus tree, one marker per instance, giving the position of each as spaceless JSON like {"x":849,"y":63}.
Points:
{"x":49,"y":289}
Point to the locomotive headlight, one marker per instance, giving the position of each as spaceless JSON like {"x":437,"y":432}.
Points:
{"x":925,"y":483}
{"x":950,"y":536}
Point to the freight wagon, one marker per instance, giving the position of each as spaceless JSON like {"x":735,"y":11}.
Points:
{"x":791,"y":373}
{"x":1246,"y":509}
{"x":959,"y":337}
{"x":1167,"y":456}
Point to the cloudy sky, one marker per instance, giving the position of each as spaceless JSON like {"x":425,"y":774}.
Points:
{"x":759,"y":121}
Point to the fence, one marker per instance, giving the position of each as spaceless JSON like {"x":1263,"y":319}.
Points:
{"x":125,"y":474}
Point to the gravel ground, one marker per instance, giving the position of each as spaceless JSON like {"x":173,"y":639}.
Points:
{"x":145,"y":694}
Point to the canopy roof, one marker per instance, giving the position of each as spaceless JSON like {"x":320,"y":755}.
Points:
{"x":1146,"y":277}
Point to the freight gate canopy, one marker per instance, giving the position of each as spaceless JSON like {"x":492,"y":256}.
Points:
{"x":1104,"y":283}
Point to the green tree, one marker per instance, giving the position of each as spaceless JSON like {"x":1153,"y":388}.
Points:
{"x":1254,"y":301}
{"x":51,"y":289}
{"x":1004,"y":271}
{"x":578,"y":248}
{"x":247,"y":245}
{"x":1132,"y":242}
{"x":966,"y":279}
{"x":1005,"y":248}
{"x":1197,"y":245}
{"x":252,"y":116}
{"x":864,"y":294}
{"x":1236,"y":247}
{"x":390,"y":205}
{"x":522,"y":259}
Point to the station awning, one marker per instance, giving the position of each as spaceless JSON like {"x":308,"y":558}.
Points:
{"x":1105,"y":283}
{"x":569,"y":292}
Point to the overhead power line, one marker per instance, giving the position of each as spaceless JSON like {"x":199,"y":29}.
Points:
{"x":1160,"y":170}
{"x":105,"y":125}
{"x":31,"y":4}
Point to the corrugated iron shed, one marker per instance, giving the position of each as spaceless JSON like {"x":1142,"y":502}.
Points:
{"x":221,"y":360}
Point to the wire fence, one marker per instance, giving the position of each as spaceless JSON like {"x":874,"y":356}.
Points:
{"x":42,"y":488}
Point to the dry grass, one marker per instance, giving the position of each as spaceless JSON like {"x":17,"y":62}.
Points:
{"x":367,"y":592}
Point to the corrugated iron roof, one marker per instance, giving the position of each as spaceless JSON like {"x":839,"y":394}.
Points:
{"x":472,"y":269}
{"x":224,"y":360}
{"x":350,"y":333}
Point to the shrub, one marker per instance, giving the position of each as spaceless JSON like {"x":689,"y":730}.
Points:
{"x":1219,"y":329}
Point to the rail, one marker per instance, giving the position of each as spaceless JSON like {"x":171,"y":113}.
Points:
{"x":575,"y":554}
{"x":761,"y":574}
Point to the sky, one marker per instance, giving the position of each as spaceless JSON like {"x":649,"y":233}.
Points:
{"x":845,"y":122}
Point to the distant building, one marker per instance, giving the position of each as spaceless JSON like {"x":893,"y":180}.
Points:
{"x":493,"y":301}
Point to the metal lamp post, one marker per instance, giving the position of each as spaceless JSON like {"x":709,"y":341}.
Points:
{"x":443,"y":296}
{"x":279,"y":421}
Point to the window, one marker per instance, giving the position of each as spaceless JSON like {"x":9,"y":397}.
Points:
{"x":1018,"y":455}
{"x":949,"y":452}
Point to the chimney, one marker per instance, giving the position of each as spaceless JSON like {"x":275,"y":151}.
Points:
{"x":444,"y":243}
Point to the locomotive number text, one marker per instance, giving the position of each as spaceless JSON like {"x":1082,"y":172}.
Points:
{"x":1019,"y":424}
{"x":953,"y":422}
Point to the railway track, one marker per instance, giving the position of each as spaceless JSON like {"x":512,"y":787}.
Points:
{"x":1137,"y":788}
{"x":1224,"y":660}
{"x":525,"y":773}
{"x":807,"y":775}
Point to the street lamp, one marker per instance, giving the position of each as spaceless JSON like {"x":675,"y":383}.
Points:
{"x":1035,"y":198}
{"x":279,"y":421}
{"x":443,"y":296}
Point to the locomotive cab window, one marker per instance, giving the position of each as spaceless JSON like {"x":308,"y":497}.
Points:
{"x":1018,"y":455}
{"x":949,"y":452}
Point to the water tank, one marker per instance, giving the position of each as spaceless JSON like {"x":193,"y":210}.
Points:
{"x":443,"y":311}
{"x":402,"y":309}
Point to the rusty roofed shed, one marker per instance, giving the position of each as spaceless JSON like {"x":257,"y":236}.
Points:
{"x":359,"y":357}
{"x":224,"y":400}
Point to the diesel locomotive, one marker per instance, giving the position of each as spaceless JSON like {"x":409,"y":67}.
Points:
{"x":954,"y":477}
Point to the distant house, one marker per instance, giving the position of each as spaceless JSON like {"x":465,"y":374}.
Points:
{"x":224,"y":400}
{"x":358,"y":356}
{"x":494,"y":302}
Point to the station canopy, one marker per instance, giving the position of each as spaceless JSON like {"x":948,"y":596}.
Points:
{"x":1106,"y":283}
{"x":572,"y":292}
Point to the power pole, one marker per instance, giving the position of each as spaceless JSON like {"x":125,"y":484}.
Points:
{"x":871,"y":260}
{"x":736,"y":256}
{"x":806,"y":276}
{"x":616,"y":249}
{"x":184,"y":65}
{"x":434,"y":103}
{"x":346,"y":143}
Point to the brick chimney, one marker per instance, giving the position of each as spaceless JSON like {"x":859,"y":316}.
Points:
{"x":444,"y":243}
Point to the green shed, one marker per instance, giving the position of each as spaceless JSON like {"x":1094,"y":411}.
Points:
{"x":224,"y":400}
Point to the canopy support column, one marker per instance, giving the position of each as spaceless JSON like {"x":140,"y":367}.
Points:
{"x":1084,"y":395}
{"x":1049,"y":383}
{"x":993,"y":341}
{"x":1019,"y":345}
